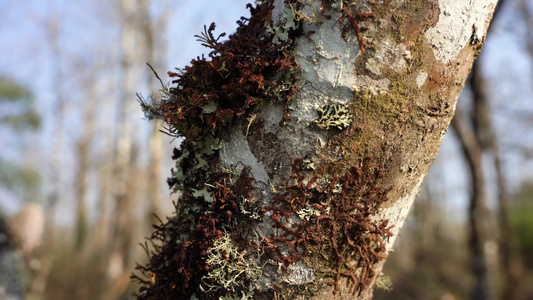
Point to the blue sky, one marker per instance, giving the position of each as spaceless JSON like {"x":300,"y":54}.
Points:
{"x":89,"y":34}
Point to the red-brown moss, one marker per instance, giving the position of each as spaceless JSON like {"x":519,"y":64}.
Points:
{"x":177,"y":266}
{"x":243,"y":72}
{"x":350,"y":241}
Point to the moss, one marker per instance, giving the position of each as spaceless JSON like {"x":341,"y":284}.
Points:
{"x":324,"y":209}
{"x":336,"y":235}
{"x":240,"y":74}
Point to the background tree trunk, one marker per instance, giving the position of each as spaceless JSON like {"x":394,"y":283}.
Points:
{"x":156,"y":54}
{"x":479,"y":226}
{"x":510,"y":265}
{"x":127,"y":172}
{"x":305,"y":196}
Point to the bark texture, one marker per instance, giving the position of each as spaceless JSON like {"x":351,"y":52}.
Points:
{"x":479,"y":228}
{"x":308,"y":135}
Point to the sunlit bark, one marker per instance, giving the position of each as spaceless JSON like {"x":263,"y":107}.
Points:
{"x":311,"y":182}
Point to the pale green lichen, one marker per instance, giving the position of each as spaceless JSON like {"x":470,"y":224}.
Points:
{"x":203,"y":193}
{"x":333,"y":116}
{"x":384,"y":282}
{"x":337,"y":4}
{"x":244,"y":296}
{"x":231,"y":269}
{"x":299,"y":274}
{"x":309,"y":164}
{"x":250,"y":214}
{"x":281,"y":32}
{"x":209,"y":108}
{"x":307,"y":213}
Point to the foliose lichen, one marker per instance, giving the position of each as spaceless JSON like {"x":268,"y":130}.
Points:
{"x":229,"y":268}
{"x":334,"y":116}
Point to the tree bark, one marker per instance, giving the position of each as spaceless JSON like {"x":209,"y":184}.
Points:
{"x":307,"y":137}
{"x":156,"y":53}
{"x":477,"y":210}
{"x":126,"y":175}
{"x":511,"y":267}
{"x":84,"y":167}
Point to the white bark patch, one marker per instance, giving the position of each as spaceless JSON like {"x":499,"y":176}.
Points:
{"x":458,"y":21}
{"x":421,"y":79}
{"x":397,"y":213}
{"x":375,"y":87}
{"x":389,"y":56}
{"x":325,"y":57}
{"x":236,"y":151}
{"x":327,"y":64}
{"x":299,"y":274}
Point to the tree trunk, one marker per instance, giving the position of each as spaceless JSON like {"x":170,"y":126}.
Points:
{"x":511,"y":267}
{"x":126,"y":185}
{"x":156,"y":54}
{"x":84,"y":166}
{"x":479,"y":227}
{"x":307,"y":137}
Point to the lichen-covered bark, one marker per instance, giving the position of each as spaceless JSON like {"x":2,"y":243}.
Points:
{"x":308,"y":135}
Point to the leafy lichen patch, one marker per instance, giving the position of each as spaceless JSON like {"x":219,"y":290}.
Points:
{"x":333,"y":116}
{"x":298,"y":274}
{"x":229,"y":268}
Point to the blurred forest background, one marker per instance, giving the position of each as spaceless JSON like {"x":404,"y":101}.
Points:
{"x":82,"y":173}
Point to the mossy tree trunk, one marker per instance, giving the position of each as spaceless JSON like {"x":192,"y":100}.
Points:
{"x":307,"y":136}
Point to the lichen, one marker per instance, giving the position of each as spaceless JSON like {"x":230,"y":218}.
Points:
{"x":245,"y":295}
{"x":229,"y":268}
{"x":309,"y":164}
{"x":309,"y":212}
{"x":384,"y":282}
{"x":282,"y":28}
{"x":333,"y":116}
